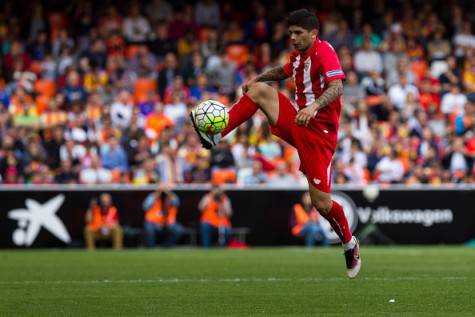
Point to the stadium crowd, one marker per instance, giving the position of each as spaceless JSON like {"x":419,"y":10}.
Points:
{"x":99,"y":92}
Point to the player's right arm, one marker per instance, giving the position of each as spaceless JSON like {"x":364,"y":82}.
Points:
{"x":274,"y":74}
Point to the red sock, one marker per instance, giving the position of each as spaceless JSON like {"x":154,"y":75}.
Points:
{"x":240,"y":112}
{"x":337,"y":219}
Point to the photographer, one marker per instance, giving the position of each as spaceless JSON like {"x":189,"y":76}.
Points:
{"x":216,"y":211}
{"x":306,"y":222}
{"x":160,"y":217}
{"x":102,"y":221}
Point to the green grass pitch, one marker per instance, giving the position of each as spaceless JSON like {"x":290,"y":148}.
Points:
{"x":395,"y":281}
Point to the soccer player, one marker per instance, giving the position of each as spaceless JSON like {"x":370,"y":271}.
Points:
{"x":310,"y":125}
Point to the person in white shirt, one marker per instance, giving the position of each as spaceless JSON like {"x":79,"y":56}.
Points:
{"x":282,"y":177}
{"x":176,"y":111}
{"x":136,"y":28}
{"x":464,"y":40}
{"x":453,"y":101}
{"x":390,"y":168}
{"x":121,"y":110}
{"x":367,"y":59}
{"x":95,"y":173}
{"x":398,"y":93}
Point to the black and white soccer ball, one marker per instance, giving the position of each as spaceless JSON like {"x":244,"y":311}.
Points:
{"x":211,"y":116}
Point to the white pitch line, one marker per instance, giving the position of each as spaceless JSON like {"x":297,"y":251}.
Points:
{"x":230,"y":280}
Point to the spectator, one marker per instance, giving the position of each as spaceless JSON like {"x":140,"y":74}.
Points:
{"x":200,"y":172}
{"x":368,"y":59}
{"x":374,"y":87}
{"x":453,"y":102}
{"x":202,"y":90}
{"x":170,"y":167}
{"x":73,"y":91}
{"x":222,"y":157}
{"x":72,"y":151}
{"x":112,"y":21}
{"x":253,"y":176}
{"x":464,"y":40}
{"x":148,"y":106}
{"x":161,"y":43}
{"x":66,"y":174}
{"x":102,"y":221}
{"x":282,"y":177}
{"x":61,"y":42}
{"x":194,"y":68}
{"x":159,"y":10}
{"x":113,"y":155}
{"x":156,"y":121}
{"x":182,"y":27}
{"x":457,"y":160}
{"x":146,"y":173}
{"x":367,"y":34}
{"x":342,"y":37}
{"x":390,"y":168}
{"x":439,"y":48}
{"x":222,"y":72}
{"x":207,"y":13}
{"x":53,"y":147}
{"x":167,"y":74}
{"x":136,"y":27}
{"x":452,"y":76}
{"x":161,"y":208}
{"x":176,"y":89}
{"x":355,"y":173}
{"x":216,"y":212}
{"x":121,"y":110}
{"x":398,"y":93}
{"x":306,"y":223}
{"x":353,"y":91}
{"x":95,"y":173}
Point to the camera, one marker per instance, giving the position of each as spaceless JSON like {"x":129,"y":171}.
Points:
{"x":163,"y":195}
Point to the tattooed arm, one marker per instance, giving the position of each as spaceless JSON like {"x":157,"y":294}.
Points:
{"x":274,"y":74}
{"x":333,"y":91}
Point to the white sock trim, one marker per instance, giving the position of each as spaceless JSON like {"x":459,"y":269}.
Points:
{"x":350,"y":245}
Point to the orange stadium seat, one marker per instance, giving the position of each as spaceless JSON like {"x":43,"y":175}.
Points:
{"x":45,"y":87}
{"x":142,"y":87}
{"x":238,"y":53}
{"x":223,"y":176}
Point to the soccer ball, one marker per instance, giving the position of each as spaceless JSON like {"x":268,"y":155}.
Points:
{"x":211,"y":116}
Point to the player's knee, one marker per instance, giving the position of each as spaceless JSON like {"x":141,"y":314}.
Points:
{"x":257,"y":91}
{"x":322,"y":205}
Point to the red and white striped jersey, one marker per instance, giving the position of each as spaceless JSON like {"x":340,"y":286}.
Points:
{"x":312,"y":72}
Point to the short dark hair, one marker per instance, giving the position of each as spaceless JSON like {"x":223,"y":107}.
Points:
{"x":304,"y":19}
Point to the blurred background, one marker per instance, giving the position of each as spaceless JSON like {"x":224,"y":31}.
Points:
{"x":98,"y":93}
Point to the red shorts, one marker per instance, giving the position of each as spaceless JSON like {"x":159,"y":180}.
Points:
{"x":315,"y":144}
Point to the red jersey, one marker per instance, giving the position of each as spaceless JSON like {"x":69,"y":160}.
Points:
{"x":312,"y":72}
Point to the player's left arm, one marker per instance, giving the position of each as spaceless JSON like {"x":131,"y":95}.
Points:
{"x":333,"y":91}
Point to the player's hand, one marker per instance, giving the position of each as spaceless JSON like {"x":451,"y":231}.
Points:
{"x":247,"y":84}
{"x":304,"y":115}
